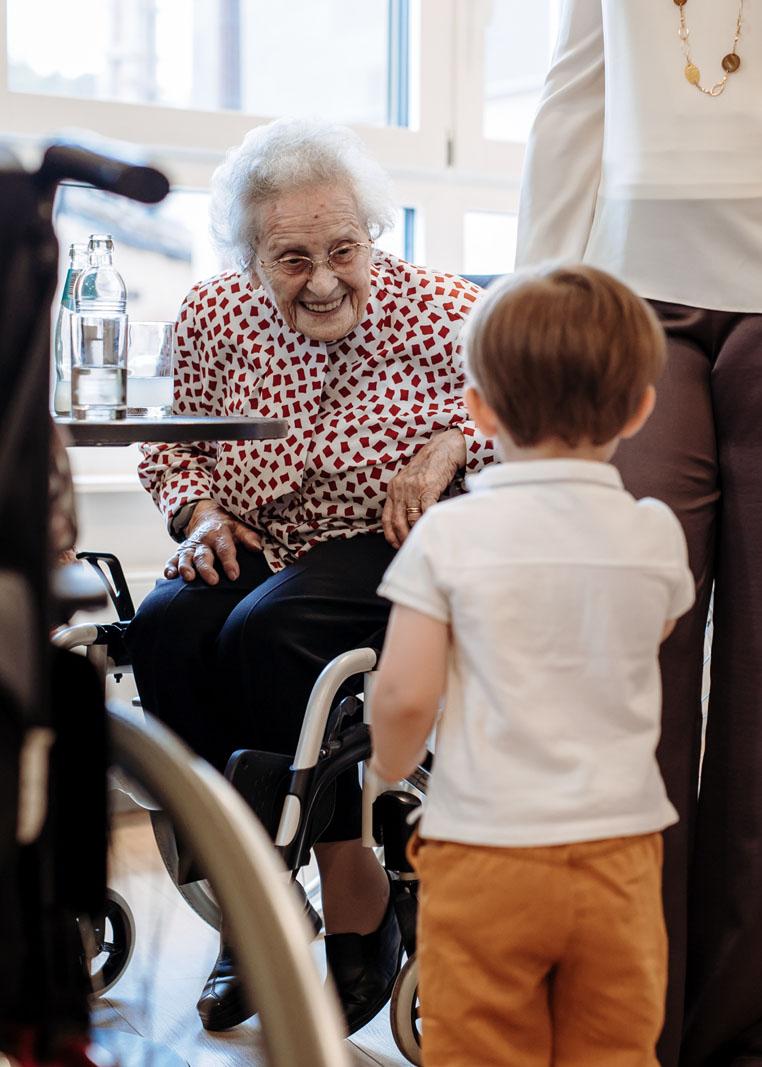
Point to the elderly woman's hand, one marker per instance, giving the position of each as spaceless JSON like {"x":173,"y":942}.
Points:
{"x":421,"y":483}
{"x":212,"y":532}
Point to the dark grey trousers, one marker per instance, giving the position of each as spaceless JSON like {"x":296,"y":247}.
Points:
{"x":232,"y":665}
{"x":701,"y":452}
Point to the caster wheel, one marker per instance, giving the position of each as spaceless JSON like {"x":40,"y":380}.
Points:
{"x":108,"y":942}
{"x":404,"y":1013}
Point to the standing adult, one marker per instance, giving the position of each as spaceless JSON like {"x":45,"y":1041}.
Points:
{"x":646,"y":160}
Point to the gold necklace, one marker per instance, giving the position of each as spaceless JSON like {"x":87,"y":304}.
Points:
{"x":730,"y":62}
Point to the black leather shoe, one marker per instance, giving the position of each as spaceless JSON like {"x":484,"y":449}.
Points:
{"x":312,"y":916}
{"x":364,"y":968}
{"x":221,"y":1004}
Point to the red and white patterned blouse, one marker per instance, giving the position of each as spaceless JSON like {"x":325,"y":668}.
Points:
{"x":358,"y":409}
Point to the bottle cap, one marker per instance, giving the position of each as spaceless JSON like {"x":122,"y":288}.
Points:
{"x":101,"y":239}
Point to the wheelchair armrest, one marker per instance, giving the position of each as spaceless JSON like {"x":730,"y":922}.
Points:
{"x":109,"y":570}
{"x":86,"y":634}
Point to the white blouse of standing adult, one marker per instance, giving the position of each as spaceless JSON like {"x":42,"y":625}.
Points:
{"x":661,"y":185}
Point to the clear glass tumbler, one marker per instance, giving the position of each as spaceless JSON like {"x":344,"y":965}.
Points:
{"x":150,"y":382}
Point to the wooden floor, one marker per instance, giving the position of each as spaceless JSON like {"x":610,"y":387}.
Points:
{"x":174,"y":952}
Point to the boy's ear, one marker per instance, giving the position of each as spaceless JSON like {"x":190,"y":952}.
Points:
{"x":641,"y":413}
{"x":480,"y":411}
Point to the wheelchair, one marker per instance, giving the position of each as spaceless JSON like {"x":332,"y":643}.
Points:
{"x":54,"y":727}
{"x":292,"y":797}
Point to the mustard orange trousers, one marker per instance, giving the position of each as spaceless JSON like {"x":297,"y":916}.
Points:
{"x":532,"y":957}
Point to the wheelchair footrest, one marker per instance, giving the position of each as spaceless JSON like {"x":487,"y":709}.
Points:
{"x":262,"y":779}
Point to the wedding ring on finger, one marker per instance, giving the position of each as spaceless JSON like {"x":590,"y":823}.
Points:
{"x":413,"y":513}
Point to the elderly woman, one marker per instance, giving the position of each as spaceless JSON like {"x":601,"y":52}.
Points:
{"x":283,"y":543}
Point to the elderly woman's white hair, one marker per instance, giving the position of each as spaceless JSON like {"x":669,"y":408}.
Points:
{"x":289,"y":154}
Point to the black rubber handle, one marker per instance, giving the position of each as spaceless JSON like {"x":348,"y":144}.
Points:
{"x":72,"y":162}
{"x":108,"y":568}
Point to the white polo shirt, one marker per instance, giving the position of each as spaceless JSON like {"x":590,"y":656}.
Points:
{"x":557,"y":585}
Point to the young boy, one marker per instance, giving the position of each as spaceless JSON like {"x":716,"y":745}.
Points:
{"x":536,"y":604}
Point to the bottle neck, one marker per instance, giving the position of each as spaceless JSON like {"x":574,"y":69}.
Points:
{"x":100,"y":287}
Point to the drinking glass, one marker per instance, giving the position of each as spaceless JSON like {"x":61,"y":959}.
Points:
{"x":149,"y":382}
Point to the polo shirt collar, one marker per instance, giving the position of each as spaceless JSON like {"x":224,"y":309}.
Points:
{"x":543,"y":471}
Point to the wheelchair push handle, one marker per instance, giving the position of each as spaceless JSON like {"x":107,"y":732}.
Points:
{"x":73,"y":162}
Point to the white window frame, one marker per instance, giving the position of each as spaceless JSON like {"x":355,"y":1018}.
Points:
{"x":189,"y":144}
{"x":445,"y":152}
{"x":474,"y":152}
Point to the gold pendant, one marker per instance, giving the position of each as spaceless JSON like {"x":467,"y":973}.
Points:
{"x":692,"y":73}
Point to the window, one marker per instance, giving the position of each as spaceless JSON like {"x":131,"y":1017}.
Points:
{"x":518,"y":43}
{"x":489,"y":242}
{"x":160,"y":251}
{"x":442,"y":91}
{"x":337,"y":58}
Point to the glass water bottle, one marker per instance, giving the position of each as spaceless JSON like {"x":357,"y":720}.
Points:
{"x":62,"y":334}
{"x":99,"y":365}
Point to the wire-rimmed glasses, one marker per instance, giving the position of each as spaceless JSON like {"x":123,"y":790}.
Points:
{"x":339,"y":260}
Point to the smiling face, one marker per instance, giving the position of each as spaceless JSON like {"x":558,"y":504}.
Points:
{"x":313,"y":221}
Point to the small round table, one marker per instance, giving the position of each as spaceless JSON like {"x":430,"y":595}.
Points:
{"x":171,"y":429}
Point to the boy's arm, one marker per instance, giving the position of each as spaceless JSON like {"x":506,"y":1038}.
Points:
{"x":684,"y":589}
{"x":411,"y":680}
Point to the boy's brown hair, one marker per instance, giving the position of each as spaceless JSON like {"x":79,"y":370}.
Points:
{"x":563,"y":352}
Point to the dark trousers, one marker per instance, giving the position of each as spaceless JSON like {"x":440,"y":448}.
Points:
{"x":701,"y":452}
{"x":232,"y":666}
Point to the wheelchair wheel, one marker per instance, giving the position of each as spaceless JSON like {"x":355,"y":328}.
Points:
{"x":198,"y":895}
{"x":404,"y":1013}
{"x":267,"y":926}
{"x":108,"y":941}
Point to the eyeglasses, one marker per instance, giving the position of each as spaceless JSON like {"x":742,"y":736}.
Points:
{"x":339,"y":260}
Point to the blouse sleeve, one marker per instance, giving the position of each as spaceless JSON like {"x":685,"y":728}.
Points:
{"x":178,"y":474}
{"x":563,"y":162}
{"x":479,"y":450}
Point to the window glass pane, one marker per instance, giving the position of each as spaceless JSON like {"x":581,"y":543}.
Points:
{"x":160,"y":251}
{"x":400,"y":240}
{"x":518,"y":45}
{"x":489,"y":242}
{"x":338,"y":58}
